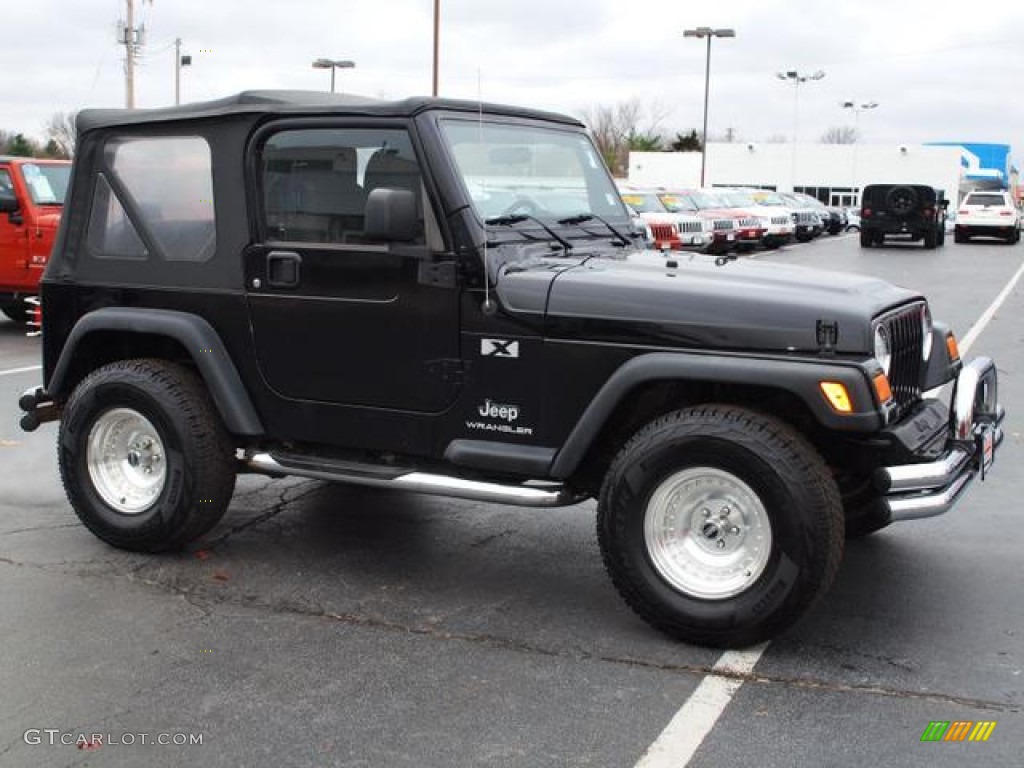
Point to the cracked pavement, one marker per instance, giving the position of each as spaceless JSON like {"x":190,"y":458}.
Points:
{"x":329,"y":625}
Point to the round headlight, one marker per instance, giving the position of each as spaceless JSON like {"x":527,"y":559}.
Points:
{"x":883,"y":348}
{"x":926,"y":332}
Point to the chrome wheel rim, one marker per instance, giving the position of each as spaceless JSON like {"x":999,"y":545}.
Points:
{"x":126,"y":461}
{"x":707,"y":533}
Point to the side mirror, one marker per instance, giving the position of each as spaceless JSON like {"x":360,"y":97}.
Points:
{"x":8,"y":204}
{"x":391,"y":215}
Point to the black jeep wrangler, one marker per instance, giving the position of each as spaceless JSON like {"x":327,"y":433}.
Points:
{"x":446,"y":297}
{"x":902,"y":209}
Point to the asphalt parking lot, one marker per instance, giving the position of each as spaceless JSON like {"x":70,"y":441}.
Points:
{"x":327,"y":625}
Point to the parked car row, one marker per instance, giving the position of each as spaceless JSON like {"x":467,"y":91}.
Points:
{"x":722,"y":220}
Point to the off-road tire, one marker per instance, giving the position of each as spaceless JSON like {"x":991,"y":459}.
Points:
{"x":798,"y":497}
{"x":931,"y":239}
{"x":199,"y":474}
{"x":867,"y":239}
{"x":864,"y":512}
{"x":958,"y":238}
{"x":19,"y":313}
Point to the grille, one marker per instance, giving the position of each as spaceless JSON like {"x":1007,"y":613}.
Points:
{"x":904,"y":327}
{"x":780,"y":220}
{"x":663,"y":232}
{"x":749,"y":223}
{"x":804,"y":217}
{"x":689,"y":226}
{"x":724,"y":224}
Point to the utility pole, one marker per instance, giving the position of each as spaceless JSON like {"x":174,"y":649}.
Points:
{"x":129,"y":58}
{"x":437,"y":44}
{"x":132,"y":39}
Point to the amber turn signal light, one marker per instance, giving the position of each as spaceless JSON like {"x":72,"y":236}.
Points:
{"x":837,"y":396}
{"x":952,"y":348}
{"x":882,"y":388}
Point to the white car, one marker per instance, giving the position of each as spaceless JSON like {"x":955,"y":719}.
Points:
{"x":692,"y":231}
{"x":989,"y":213}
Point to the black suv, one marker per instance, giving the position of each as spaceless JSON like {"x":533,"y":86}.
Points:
{"x":902,"y":209}
{"x":446,"y":297}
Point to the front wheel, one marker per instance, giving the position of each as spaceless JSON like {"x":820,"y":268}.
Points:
{"x":145,"y":460}
{"x":719,"y":525}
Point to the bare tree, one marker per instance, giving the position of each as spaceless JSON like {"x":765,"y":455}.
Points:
{"x":60,"y":129}
{"x":840,"y":134}
{"x":617,"y":128}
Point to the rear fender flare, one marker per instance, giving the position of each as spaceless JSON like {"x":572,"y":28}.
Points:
{"x":195,"y":334}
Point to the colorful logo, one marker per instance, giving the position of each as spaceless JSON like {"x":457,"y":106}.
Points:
{"x":958,"y":730}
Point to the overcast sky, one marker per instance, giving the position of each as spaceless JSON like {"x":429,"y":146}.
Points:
{"x":938,"y":72}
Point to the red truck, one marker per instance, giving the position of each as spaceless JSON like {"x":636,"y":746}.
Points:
{"x":31,"y":201}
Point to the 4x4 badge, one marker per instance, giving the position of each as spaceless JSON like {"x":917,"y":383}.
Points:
{"x":499,"y":348}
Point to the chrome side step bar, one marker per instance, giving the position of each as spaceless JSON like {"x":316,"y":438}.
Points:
{"x":532,"y":494}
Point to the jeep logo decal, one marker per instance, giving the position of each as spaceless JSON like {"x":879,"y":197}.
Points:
{"x":498,"y":411}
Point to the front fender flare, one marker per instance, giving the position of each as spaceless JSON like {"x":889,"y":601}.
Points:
{"x":798,"y":377}
{"x":199,"y":339}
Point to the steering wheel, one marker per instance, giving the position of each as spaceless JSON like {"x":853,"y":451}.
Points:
{"x":522,"y":205}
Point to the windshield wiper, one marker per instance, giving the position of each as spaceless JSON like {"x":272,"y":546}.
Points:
{"x":518,"y":218}
{"x":582,"y":218}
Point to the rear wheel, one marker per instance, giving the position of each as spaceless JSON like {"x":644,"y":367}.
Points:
{"x":145,"y":460}
{"x":931,"y":239}
{"x":960,"y":238}
{"x":19,"y":313}
{"x":720,"y":525}
{"x":866,"y":239}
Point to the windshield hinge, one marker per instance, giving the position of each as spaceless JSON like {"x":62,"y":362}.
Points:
{"x":828,"y":336}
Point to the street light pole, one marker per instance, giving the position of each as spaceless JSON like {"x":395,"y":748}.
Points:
{"x":333,"y":65}
{"x":706,"y":32}
{"x":437,"y":43}
{"x":796,"y":78}
{"x":857,"y":109}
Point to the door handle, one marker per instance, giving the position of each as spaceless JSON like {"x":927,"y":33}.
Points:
{"x":283,"y":269}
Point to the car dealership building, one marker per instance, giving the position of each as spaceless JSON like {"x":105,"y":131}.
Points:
{"x":834,"y":173}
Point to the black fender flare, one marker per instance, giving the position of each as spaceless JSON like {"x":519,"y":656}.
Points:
{"x":195,"y":334}
{"x":799,"y":377}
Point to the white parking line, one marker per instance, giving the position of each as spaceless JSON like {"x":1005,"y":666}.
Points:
{"x":13,"y":371}
{"x":988,"y":314}
{"x":684,"y":734}
{"x":682,"y":737}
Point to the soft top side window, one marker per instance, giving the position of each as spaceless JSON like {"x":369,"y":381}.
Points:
{"x":161,"y":188}
{"x":316,"y":181}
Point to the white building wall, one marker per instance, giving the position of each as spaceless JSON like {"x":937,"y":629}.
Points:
{"x":815,"y":165}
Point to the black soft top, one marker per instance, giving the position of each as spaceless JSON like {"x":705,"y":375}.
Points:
{"x":301,"y":102}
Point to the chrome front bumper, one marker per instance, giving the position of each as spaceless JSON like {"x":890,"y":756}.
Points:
{"x":913,"y":491}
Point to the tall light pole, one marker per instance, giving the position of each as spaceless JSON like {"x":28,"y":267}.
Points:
{"x":179,"y":62}
{"x":857,"y":109}
{"x":333,"y":65}
{"x":706,"y":32}
{"x":797,"y":79}
{"x":437,"y":43}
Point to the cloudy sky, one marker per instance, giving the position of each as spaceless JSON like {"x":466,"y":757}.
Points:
{"x":937,"y":73}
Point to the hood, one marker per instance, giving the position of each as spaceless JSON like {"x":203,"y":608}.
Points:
{"x":741,"y":305}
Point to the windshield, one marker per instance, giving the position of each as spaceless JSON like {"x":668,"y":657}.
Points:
{"x":768,"y":198}
{"x":678,"y":203}
{"x":47,"y":184}
{"x":548,"y":173}
{"x":739,"y":199}
{"x":705,"y":200}
{"x":644,"y":202}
